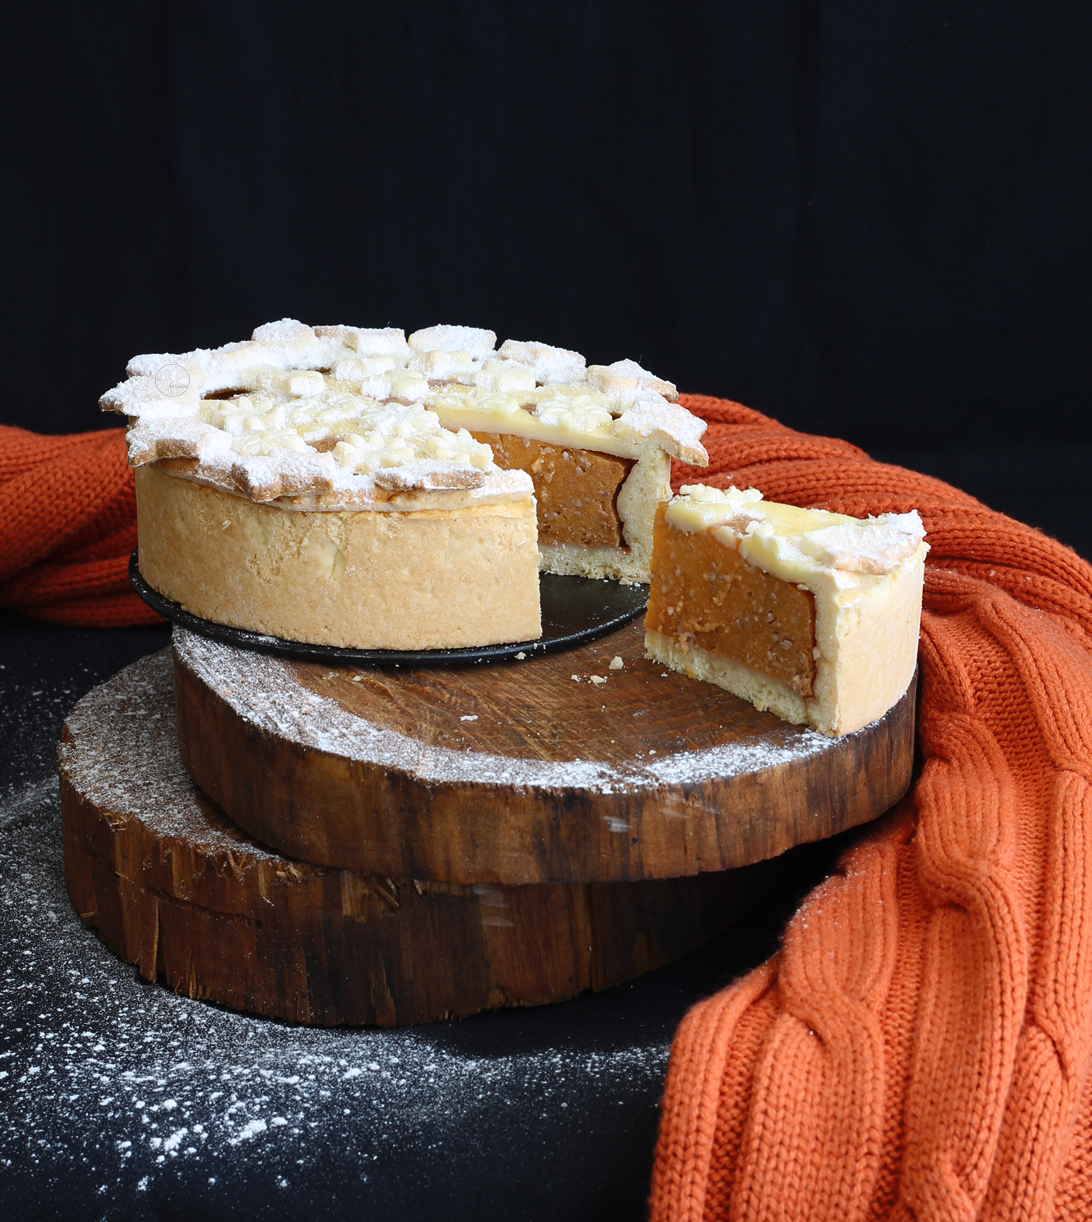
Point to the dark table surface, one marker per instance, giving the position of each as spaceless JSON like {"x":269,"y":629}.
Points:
{"x":119,"y":1099}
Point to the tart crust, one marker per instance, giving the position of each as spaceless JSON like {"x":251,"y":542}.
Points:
{"x":419,"y":579}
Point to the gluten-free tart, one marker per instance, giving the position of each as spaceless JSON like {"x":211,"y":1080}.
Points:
{"x":351,"y":487}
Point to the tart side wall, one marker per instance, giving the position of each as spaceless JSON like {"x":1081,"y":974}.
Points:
{"x":868,"y":639}
{"x":424,"y":579}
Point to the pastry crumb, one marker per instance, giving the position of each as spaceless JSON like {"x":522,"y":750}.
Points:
{"x":469,"y":717}
{"x":576,"y":678}
{"x":616,"y":663}
{"x":520,"y":656}
{"x":597,"y":679}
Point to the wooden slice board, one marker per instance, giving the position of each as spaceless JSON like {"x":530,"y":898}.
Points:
{"x":172,"y":886}
{"x":518,"y":773}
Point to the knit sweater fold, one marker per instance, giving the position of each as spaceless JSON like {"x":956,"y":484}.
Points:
{"x":69,"y":527}
{"x":920,"y":1046}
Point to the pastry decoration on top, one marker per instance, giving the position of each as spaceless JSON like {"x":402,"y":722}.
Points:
{"x":354,"y":415}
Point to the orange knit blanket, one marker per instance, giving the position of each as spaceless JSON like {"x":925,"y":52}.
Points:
{"x":68,"y":515}
{"x":920,"y":1046}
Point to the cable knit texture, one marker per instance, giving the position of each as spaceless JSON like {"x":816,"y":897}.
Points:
{"x":920,"y":1045}
{"x":69,"y":526}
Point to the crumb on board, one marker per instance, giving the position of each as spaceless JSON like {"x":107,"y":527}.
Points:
{"x":597,"y":679}
{"x":520,"y":656}
{"x":469,"y":717}
{"x":576,"y":678}
{"x":616,"y":663}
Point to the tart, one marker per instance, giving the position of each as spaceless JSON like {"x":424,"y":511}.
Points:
{"x":349,"y":486}
{"x":809,"y":614}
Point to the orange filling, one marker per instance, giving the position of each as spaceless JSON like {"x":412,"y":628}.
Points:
{"x":576,"y":490}
{"x":704,"y":593}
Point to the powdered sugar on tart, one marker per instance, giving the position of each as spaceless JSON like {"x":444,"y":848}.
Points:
{"x":346,"y":416}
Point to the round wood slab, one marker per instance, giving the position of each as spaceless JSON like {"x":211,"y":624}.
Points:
{"x":172,"y":886}
{"x":551,"y":770}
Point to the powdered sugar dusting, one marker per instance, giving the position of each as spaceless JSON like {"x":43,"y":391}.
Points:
{"x":115,"y":1092}
{"x":323,"y":412}
{"x":159,"y":789}
{"x":264,"y":691}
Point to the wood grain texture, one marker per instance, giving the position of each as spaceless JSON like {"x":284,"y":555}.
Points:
{"x":172,"y":886}
{"x":686,"y":778}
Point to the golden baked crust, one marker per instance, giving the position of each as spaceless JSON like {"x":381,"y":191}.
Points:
{"x":422,"y":579}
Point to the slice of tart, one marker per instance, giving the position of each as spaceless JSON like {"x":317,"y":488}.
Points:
{"x":348,"y":486}
{"x":809,"y":614}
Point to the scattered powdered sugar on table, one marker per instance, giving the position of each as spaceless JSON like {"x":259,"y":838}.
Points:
{"x":160,"y":789}
{"x":113,"y":1087}
{"x":264,"y":691}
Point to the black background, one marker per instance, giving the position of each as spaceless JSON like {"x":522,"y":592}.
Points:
{"x":866,"y":220}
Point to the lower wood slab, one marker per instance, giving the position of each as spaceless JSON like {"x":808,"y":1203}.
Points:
{"x":171,"y":885}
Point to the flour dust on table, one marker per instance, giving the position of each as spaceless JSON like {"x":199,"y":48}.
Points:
{"x":117,"y":1091}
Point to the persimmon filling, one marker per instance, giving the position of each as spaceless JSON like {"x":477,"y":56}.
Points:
{"x":706,"y":594}
{"x":576,"y":490}
{"x":229,"y":392}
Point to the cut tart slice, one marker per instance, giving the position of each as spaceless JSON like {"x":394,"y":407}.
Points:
{"x":809,"y":614}
{"x":323,"y":483}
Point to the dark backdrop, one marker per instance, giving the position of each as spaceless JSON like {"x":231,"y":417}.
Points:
{"x":866,"y":219}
